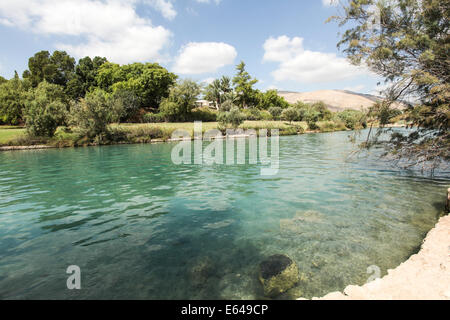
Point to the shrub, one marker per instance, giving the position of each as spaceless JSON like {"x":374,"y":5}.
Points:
{"x":275,"y":112}
{"x":290,"y":114}
{"x":252,"y":114}
{"x":265,"y":115}
{"x":45,"y":110}
{"x":234,"y":118}
{"x":226,"y":106}
{"x":92,"y":114}
{"x":352,"y":119}
{"x":153,"y":117}
{"x":13,"y":97}
{"x":204,"y":114}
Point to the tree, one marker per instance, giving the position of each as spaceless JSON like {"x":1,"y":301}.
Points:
{"x":56,"y":69}
{"x":408,"y":46}
{"x":2,"y":80}
{"x":234,"y":117}
{"x":246,"y":95}
{"x":46,"y":109}
{"x":84,"y":79}
{"x":275,"y":112}
{"x":13,"y":97}
{"x":271,"y":99}
{"x":93,"y":114}
{"x":149,"y":82}
{"x":290,"y":114}
{"x":213,"y":92}
{"x":182,"y":97}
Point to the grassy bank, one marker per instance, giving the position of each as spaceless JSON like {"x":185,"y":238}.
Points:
{"x":145,"y":133}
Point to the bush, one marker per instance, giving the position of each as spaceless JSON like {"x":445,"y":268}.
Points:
{"x":153,"y":117}
{"x":204,"y":114}
{"x":45,"y":110}
{"x":275,"y":112}
{"x":352,"y":119}
{"x":92,"y":115}
{"x":331,"y":126}
{"x":265,"y":115}
{"x":252,"y":114}
{"x":290,"y":114}
{"x":226,"y":106}
{"x":13,"y":97}
{"x":234,"y":118}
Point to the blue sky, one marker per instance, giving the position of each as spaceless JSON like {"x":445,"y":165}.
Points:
{"x":286,"y":44}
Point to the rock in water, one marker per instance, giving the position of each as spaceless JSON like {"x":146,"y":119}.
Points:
{"x":278,"y":274}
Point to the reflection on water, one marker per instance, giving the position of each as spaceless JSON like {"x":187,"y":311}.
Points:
{"x":140,"y":227}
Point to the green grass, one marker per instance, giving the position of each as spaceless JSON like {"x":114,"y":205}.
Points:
{"x":10,"y":133}
{"x":138,"y":133}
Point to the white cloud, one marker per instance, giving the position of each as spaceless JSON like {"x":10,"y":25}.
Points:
{"x":204,"y":57}
{"x":330,"y":3}
{"x":110,"y":28}
{"x":305,"y":66}
{"x":164,"y":7}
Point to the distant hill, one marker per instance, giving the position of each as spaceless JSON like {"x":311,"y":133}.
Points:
{"x":336,"y":100}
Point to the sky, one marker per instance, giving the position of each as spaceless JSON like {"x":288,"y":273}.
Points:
{"x":285,"y":44}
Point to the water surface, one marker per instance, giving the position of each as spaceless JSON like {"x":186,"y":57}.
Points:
{"x":140,"y":227}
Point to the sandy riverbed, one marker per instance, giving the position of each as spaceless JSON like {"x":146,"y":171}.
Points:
{"x":424,"y":276}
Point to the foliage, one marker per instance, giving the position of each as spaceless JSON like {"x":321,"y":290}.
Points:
{"x":84,"y":79}
{"x":409,"y":47}
{"x":219,"y":91}
{"x":124,"y":105}
{"x":352,"y":119}
{"x":57,"y":68}
{"x":181,"y":100}
{"x":252,"y":114}
{"x":290,"y":114}
{"x":154,"y":117}
{"x":234,"y":117}
{"x":275,"y":112}
{"x":245,"y":94}
{"x":271,"y":99}
{"x":149,"y":82}
{"x":2,"y":80}
{"x":45,"y":110}
{"x":13,"y":96}
{"x":204,"y":114}
{"x":92,"y":114}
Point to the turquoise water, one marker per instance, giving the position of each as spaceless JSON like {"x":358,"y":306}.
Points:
{"x":140,"y":227}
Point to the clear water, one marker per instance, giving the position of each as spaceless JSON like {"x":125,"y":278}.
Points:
{"x":140,"y":227}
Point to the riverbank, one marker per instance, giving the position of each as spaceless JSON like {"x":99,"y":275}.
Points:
{"x":144,"y":133}
{"x":424,"y":276}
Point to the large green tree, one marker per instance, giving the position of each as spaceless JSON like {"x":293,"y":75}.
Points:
{"x":247,"y":96}
{"x":46,"y":109}
{"x":84,"y":79}
{"x":13,"y":96}
{"x":149,"y":82}
{"x":178,"y":106}
{"x":57,"y":68}
{"x":407,"y":42}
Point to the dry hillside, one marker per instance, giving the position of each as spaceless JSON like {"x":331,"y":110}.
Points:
{"x":336,"y":100}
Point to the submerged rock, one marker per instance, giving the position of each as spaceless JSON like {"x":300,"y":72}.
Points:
{"x":278,"y":274}
{"x":201,"y":271}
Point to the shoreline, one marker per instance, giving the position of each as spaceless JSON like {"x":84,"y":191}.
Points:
{"x":424,"y":276}
{"x":153,"y":141}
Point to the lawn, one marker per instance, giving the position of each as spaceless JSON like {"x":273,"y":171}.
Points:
{"x":9,"y":133}
{"x":135,"y":132}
